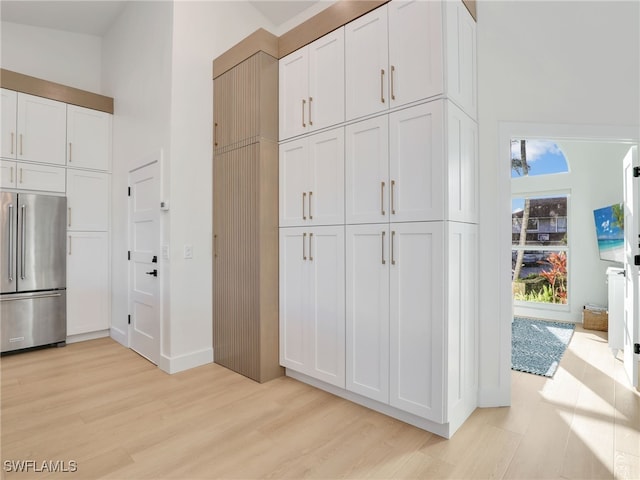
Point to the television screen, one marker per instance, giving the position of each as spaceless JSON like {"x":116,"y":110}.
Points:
{"x":610,"y":232}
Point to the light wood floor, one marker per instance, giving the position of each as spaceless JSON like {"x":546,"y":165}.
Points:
{"x":119,"y":417}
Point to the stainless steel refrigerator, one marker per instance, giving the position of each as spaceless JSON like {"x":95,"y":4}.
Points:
{"x":33,"y":271}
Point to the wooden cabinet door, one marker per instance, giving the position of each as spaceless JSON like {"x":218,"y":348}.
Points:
{"x":294,"y":299}
{"x":88,"y":200}
{"x":367,"y":171}
{"x":325,"y":198}
{"x":293,"y":180}
{"x":8,"y":174}
{"x":416,"y":164}
{"x":325,"y":321}
{"x":42,"y":125}
{"x":366,"y":64}
{"x":88,"y":290}
{"x":415,"y":51}
{"x":293,"y":85}
{"x":88,"y":138}
{"x":326,"y":80}
{"x":40,"y":177}
{"x":8,"y":132}
{"x":367,"y":310}
{"x":417,"y":319}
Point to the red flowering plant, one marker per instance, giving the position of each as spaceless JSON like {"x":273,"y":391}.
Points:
{"x":557,"y":276}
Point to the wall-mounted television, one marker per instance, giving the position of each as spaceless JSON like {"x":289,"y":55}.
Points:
{"x":610,"y":232}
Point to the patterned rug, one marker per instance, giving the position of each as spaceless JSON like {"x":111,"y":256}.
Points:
{"x":537,"y":346}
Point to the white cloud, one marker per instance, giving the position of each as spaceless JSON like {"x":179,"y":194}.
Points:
{"x":535,"y":149}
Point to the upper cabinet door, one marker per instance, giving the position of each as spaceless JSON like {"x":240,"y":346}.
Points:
{"x":8,"y":135}
{"x":326,"y":178}
{"x":294,"y":185}
{"x":88,"y":138}
{"x":366,"y":59}
{"x":294,"y":93}
{"x":87,"y":200}
{"x":42,"y":129}
{"x":326,"y":81}
{"x":415,"y":50}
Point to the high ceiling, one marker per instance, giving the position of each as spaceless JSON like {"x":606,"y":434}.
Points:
{"x":94,"y":17}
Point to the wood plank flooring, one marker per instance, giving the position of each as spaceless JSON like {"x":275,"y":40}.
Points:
{"x":119,"y":417}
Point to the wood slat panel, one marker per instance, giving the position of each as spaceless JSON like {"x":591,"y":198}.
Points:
{"x":55,"y":91}
{"x":260,"y":40}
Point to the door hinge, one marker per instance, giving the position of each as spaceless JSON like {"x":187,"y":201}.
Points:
{"x":128,"y":191}
{"x":129,"y":319}
{"x":129,"y":255}
{"x":636,"y":348}
{"x":636,"y":171}
{"x":636,"y":260}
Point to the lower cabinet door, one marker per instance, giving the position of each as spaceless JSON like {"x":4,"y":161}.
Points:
{"x":88,"y":287}
{"x":367,"y":308}
{"x":417,"y":339}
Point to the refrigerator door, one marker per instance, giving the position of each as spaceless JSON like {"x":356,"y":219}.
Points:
{"x":8,"y":239}
{"x":41,"y":260}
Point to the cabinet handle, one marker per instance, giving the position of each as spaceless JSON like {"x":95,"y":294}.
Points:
{"x":310,"y":100}
{"x":310,"y":216}
{"x":69,"y":223}
{"x":12,"y":135}
{"x":383,"y":260}
{"x":393,"y":258}
{"x":215,"y":134}
{"x":382,"y":85}
{"x":382,"y":197}
{"x":20,"y":144}
{"x":69,"y":244}
{"x":393,"y":209}
{"x":304,"y":251}
{"x":393,"y":95}
{"x":310,"y":254}
{"x":304,"y":196}
{"x":70,"y":150}
{"x":304,"y":125}
{"x":11,"y":174}
{"x":215,"y":246}
{"x":20,"y":174}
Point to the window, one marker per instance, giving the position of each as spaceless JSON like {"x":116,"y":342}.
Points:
{"x":541,"y":157}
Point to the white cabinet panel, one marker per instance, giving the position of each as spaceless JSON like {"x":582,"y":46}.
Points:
{"x":417,"y":319}
{"x":312,"y":302}
{"x":312,"y":180}
{"x":367,"y":171}
{"x":416,"y":165}
{"x":87,"y":200}
{"x":367,"y":307}
{"x":8,"y":132}
{"x":88,"y":293}
{"x":41,"y":129}
{"x":8,"y":174}
{"x":366,"y":64}
{"x":311,"y":86}
{"x":88,"y":138}
{"x":40,"y":177}
{"x":415,"y":50}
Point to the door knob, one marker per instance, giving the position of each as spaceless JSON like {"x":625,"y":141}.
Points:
{"x":154,"y":273}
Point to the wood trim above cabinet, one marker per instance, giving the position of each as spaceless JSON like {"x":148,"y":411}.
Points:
{"x":54,"y":91}
{"x":332,"y":17}
{"x":258,"y":41}
{"x":471,"y":6}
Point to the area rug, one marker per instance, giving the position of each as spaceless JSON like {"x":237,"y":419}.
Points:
{"x":537,"y":345}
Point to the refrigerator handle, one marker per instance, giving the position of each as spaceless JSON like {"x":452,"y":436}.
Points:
{"x":11,"y":240}
{"x":24,"y":241}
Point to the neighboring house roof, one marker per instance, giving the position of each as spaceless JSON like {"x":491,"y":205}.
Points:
{"x":545,"y":207}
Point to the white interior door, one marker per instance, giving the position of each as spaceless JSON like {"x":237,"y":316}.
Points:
{"x":632,"y":252}
{"x":144,"y":271}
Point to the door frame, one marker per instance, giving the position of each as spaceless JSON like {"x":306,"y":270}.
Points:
{"x":507,"y":131}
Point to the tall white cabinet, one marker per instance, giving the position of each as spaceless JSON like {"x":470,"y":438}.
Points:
{"x":402,"y":290}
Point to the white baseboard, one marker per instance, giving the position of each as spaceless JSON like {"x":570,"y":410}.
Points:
{"x":81,"y":337}
{"x":494,"y":397}
{"x":186,"y":361}
{"x":120,"y":336}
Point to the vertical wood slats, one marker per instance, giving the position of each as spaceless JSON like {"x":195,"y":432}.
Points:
{"x":245,"y":209}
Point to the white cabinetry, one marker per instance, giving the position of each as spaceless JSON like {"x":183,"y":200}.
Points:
{"x":88,"y":299}
{"x":30,"y":176}
{"x":8,"y":135}
{"x":88,"y":138}
{"x":312,"y":180}
{"x":87,"y":200}
{"x":8,"y":171}
{"x":41,"y":130}
{"x":312,"y":302}
{"x":311,"y":86}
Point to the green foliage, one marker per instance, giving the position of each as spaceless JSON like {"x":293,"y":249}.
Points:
{"x":618,"y":214}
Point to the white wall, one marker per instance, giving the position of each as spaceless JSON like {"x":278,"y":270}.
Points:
{"x":541,"y":63}
{"x":589,"y":186}
{"x":71,"y":59}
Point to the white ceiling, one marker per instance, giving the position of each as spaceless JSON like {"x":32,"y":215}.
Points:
{"x":94,"y":17}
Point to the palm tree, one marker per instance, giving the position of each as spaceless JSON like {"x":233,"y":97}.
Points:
{"x":521,"y":166}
